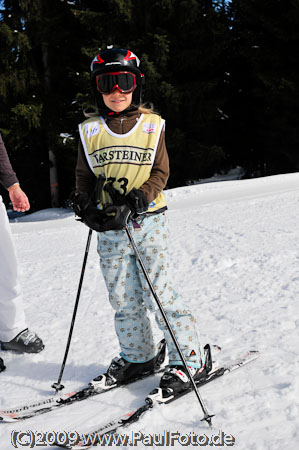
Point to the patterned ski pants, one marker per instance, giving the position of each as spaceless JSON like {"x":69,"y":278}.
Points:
{"x":131,"y":298}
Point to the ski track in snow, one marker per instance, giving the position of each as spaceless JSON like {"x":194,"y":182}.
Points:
{"x":235,"y":254}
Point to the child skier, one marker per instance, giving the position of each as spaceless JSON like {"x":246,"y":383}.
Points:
{"x":124,"y":145}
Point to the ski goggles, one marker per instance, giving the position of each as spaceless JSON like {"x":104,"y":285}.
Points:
{"x":125,"y":82}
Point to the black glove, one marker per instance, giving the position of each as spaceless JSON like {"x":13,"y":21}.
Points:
{"x":111,"y":218}
{"x":137,"y":201}
{"x":116,"y":197}
{"x":88,"y":212}
{"x":117,"y":217}
{"x":79,"y":202}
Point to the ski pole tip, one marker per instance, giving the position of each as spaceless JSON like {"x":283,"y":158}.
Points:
{"x":208,"y":419}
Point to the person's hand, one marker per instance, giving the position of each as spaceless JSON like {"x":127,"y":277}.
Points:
{"x":117,"y":217}
{"x":113,"y":217}
{"x":137,"y":201}
{"x":18,"y":198}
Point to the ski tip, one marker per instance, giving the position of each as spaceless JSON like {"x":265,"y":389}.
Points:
{"x":8,"y":418}
{"x":254,"y":353}
{"x":216,"y":348}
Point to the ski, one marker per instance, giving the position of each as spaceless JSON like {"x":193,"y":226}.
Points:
{"x":95,"y":387}
{"x":109,"y":434}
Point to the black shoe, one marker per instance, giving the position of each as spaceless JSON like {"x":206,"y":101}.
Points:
{"x":121,"y":371}
{"x":24,"y":342}
{"x":176,"y":380}
{"x":2,"y":366}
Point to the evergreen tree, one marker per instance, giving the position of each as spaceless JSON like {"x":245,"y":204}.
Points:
{"x":199,"y":43}
{"x":263,"y":87}
{"x":36,"y":95}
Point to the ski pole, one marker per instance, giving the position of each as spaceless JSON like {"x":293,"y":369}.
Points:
{"x":207,"y":417}
{"x":58,"y":386}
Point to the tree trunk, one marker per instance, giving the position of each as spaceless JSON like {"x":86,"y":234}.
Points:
{"x":54,"y":185}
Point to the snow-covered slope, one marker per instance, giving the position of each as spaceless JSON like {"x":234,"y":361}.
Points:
{"x":235,"y":252}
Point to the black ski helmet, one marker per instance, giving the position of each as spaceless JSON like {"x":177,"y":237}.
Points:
{"x":116,"y":59}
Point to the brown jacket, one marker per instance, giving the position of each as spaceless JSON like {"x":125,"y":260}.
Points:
{"x":85,"y":178}
{"x":7,"y":175}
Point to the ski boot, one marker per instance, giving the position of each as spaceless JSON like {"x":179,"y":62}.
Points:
{"x":122,"y":372}
{"x":175,"y":379}
{"x":2,"y":366}
{"x":24,"y":342}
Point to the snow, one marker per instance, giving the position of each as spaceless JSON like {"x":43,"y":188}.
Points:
{"x":235,"y":252}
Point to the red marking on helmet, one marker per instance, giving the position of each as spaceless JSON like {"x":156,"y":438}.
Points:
{"x":99,"y":60}
{"x":128,"y":56}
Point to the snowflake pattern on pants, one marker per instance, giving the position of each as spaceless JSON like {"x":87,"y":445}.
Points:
{"x":131,"y":297}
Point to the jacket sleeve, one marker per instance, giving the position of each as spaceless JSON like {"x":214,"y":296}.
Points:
{"x":7,"y":175}
{"x":159,"y":173}
{"x":85,"y":178}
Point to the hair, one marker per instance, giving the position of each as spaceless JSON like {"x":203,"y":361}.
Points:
{"x":90,"y":112}
{"x":146,"y":108}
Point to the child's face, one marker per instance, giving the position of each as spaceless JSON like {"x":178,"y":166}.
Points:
{"x":117,"y":101}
